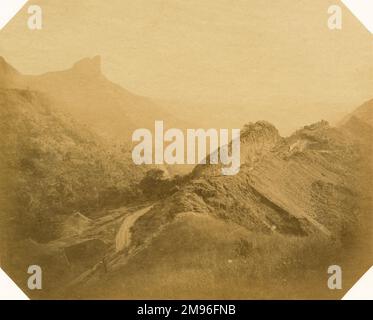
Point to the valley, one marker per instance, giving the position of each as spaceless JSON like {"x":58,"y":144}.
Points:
{"x":73,"y":201}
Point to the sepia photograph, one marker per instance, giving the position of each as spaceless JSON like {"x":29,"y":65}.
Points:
{"x":186,"y":150}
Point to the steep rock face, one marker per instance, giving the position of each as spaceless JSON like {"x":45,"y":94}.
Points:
{"x":298,"y":186}
{"x":257,"y":139}
{"x":313,"y":169}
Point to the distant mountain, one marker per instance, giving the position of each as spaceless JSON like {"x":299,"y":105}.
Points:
{"x":91,"y":99}
{"x":364,"y":113}
{"x":8,"y":75}
{"x":359,"y":125}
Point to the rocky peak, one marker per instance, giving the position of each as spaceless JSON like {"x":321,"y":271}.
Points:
{"x":88,"y":66}
{"x":317,"y":136}
{"x":257,"y":139}
{"x":318,"y":125}
{"x":313,"y":131}
{"x":260,"y":131}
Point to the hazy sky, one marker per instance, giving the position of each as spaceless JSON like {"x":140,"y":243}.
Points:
{"x":228,"y":52}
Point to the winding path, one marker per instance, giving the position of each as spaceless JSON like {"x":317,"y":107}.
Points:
{"x":123,"y":238}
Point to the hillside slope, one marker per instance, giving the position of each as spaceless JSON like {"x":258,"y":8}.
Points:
{"x":364,"y":113}
{"x":53,"y":166}
{"x":295,"y":208}
{"x":287,"y":189}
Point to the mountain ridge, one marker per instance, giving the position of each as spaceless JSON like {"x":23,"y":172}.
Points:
{"x":89,"y":97}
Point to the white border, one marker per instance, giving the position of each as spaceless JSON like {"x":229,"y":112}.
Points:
{"x":8,"y":10}
{"x":362,"y":10}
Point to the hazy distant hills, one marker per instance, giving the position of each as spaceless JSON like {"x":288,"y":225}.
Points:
{"x":90,"y":98}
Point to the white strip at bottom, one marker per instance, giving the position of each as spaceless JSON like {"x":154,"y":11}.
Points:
{"x":362,"y":290}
